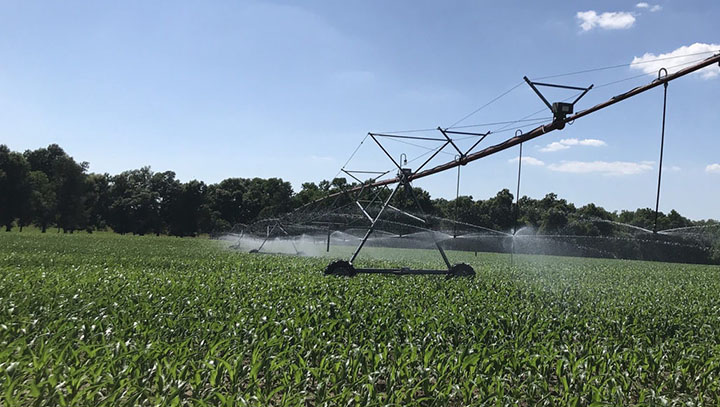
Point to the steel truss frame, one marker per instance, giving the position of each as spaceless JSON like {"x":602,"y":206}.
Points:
{"x":277,"y":225}
{"x":342,"y":267}
{"x":556,"y":124}
{"x":563,"y":113}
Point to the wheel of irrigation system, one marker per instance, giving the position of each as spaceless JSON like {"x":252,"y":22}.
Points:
{"x":462,"y":270}
{"x":340,"y":268}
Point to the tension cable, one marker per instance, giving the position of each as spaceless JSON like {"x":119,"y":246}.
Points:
{"x":518,"y":133}
{"x":457,"y":198}
{"x":662,"y":146}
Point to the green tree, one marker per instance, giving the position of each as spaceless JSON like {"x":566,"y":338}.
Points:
{"x":675,"y":220}
{"x":167,"y":190}
{"x":591,"y":220}
{"x":555,"y":213}
{"x":14,"y":188}
{"x":42,"y":200}
{"x":188,"y":213}
{"x":135,"y":206}
{"x":309,"y":192}
{"x":68,"y":179}
{"x":530,"y":213}
{"x":226,"y":200}
{"x":98,"y":200}
{"x":553,"y":221}
{"x":500,"y":210}
{"x":266,"y":198}
{"x":409,"y":199}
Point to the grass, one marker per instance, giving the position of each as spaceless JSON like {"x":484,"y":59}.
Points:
{"x":105,"y":319}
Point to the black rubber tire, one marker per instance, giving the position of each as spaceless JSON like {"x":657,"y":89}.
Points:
{"x":462,"y":270}
{"x":340,"y":268}
{"x":254,"y":251}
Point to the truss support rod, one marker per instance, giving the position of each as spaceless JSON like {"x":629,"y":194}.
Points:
{"x":351,"y":175}
{"x":451,"y":142}
{"x":465,"y":133}
{"x":532,"y":85}
{"x":267,"y":236}
{"x":372,"y":225}
{"x":352,"y":194}
{"x":292,"y":242}
{"x":410,"y":215}
{"x":377,"y":195}
{"x":385,"y":151}
{"x":482,"y":137}
{"x":432,"y":156}
{"x":662,"y":146}
{"x":365,"y":172}
{"x":282,"y":229}
{"x":442,"y":253}
{"x":586,"y":90}
{"x":406,"y":137}
{"x":543,"y":129}
{"x":328,"y":238}
{"x":364,"y":211}
{"x":552,"y":85}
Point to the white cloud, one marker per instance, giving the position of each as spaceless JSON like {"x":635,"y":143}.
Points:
{"x":653,"y":8}
{"x":566,"y":143}
{"x":592,"y":142}
{"x":674,"y":168}
{"x":554,"y":146}
{"x":713,"y":168}
{"x":651,"y":63}
{"x":615,"y":20}
{"x":528,"y":161}
{"x":602,"y":167}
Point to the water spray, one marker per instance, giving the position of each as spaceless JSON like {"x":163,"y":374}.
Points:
{"x":373,"y":198}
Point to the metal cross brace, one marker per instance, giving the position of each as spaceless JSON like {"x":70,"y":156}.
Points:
{"x":404,"y":181}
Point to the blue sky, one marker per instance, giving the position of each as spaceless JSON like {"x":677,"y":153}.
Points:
{"x":288,"y":89}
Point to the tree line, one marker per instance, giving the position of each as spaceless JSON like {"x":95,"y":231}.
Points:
{"x":48,"y":188}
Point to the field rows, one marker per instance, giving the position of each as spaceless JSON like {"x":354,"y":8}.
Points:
{"x":120,"y":320}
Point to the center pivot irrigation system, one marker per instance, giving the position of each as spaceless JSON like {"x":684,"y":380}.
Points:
{"x":378,"y":192}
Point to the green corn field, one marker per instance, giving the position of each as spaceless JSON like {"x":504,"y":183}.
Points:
{"x":105,"y":319}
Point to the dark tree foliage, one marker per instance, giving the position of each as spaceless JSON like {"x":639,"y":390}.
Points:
{"x":309,"y":193}
{"x":71,"y":194}
{"x":135,"y":205}
{"x":266,"y":198}
{"x":500,"y":210}
{"x":414,"y":200}
{"x":98,"y":200}
{"x":226,"y":201}
{"x":14,"y":188}
{"x":68,"y":181}
{"x":188,"y":213}
{"x":46,"y":187}
{"x":43,"y":202}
